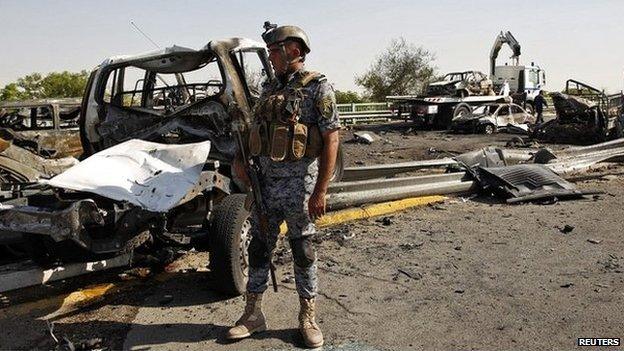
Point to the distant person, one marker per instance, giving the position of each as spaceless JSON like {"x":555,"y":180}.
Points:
{"x":539,"y":103}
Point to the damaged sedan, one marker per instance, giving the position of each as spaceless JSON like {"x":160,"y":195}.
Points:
{"x":493,"y":118}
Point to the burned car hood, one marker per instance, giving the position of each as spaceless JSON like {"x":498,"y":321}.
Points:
{"x":150,"y":175}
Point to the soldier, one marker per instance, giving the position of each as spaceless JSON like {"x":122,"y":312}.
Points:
{"x":294,"y":139}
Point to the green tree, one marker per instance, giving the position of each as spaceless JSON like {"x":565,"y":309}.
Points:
{"x":30,"y":86}
{"x":11,"y":93}
{"x":401,"y":69}
{"x":348,"y":97}
{"x":53,"y":85}
{"x":64,"y":84}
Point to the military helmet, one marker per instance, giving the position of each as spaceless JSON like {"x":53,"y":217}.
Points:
{"x":274,"y":35}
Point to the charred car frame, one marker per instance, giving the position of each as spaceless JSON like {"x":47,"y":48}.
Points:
{"x":171,"y":96}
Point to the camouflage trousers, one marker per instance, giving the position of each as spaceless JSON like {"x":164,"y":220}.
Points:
{"x":286,"y":199}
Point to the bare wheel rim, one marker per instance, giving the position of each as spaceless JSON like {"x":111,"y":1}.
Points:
{"x":245,"y":240}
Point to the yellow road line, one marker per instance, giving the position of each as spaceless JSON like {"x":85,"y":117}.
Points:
{"x":338,"y":217}
{"x":351,"y":214}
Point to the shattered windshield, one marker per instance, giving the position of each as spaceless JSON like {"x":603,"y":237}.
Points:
{"x":136,"y":87}
{"x":453,"y":77}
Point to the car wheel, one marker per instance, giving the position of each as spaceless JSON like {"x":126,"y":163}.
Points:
{"x":530,"y":109}
{"x":488,"y":129}
{"x":460,"y":111}
{"x":229,"y":239}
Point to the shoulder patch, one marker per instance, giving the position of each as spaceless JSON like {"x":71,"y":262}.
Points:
{"x":325,"y":106}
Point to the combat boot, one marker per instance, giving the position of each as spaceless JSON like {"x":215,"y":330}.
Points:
{"x":312,"y":336}
{"x":251,"y":321}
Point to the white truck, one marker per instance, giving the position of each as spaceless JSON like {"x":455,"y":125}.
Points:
{"x":525,"y":82}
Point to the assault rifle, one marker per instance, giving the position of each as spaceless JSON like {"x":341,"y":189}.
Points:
{"x":259,"y":206}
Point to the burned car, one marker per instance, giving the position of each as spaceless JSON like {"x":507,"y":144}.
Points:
{"x":163,"y":127}
{"x":38,"y":138}
{"x":461,"y":84}
{"x":492,"y":118}
{"x":585,"y":115}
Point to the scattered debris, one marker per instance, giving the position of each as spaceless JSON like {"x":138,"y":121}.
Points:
{"x":459,"y":291}
{"x":566,"y":229}
{"x":410,"y":274}
{"x":438,"y":207}
{"x":411,"y":246}
{"x":567,"y":285}
{"x":594,"y":241}
{"x":288,"y":280}
{"x":385,"y":221}
{"x":526,"y":182}
{"x":363,"y":137}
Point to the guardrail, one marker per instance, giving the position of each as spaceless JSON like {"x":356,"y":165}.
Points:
{"x":365,"y":113}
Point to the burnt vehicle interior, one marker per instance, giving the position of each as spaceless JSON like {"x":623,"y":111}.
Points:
{"x":48,"y":130}
{"x":40,"y":117}
{"x":175,"y":98}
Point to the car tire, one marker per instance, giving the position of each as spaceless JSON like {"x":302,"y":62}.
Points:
{"x":229,"y":239}
{"x":530,"y":109}
{"x":460,"y":110}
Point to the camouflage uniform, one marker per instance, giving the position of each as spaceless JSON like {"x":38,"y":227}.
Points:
{"x":286,"y":187}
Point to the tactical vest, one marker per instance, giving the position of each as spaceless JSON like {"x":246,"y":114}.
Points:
{"x":276,"y":131}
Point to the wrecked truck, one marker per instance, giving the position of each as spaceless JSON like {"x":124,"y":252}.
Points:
{"x":585,"y":115}
{"x":38,"y":139}
{"x":171,"y":98}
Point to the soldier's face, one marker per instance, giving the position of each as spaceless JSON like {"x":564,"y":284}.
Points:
{"x":277,"y":59}
{"x":280,"y":61}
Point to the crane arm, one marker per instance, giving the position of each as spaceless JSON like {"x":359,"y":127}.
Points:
{"x":504,"y":38}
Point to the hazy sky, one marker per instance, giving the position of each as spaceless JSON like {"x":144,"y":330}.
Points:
{"x":569,"y":39}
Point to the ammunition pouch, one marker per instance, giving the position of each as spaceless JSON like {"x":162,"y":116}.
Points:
{"x":276,"y":131}
{"x":285,"y":142}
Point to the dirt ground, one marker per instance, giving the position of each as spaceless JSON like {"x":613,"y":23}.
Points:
{"x":471,"y":273}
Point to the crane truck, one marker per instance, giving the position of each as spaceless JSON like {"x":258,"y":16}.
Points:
{"x":458,"y":92}
{"x":525,"y":82}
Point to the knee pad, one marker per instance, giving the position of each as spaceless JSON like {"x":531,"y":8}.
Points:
{"x":258,"y":255}
{"x":304,"y":254}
